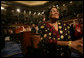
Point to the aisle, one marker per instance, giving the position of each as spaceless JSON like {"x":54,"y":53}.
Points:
{"x":12,"y":49}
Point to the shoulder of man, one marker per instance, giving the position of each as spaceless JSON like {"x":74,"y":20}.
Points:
{"x":42,"y":24}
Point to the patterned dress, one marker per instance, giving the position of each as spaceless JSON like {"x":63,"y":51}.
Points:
{"x":49,"y":38}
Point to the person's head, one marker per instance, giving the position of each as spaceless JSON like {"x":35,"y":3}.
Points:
{"x":33,"y":25}
{"x":74,"y":22}
{"x":80,"y":18}
{"x":52,"y":13}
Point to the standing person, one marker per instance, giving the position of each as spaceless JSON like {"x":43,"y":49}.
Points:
{"x":55,"y":36}
{"x":77,"y":33}
{"x":36,"y":29}
{"x":29,"y":28}
{"x":33,"y":30}
{"x":44,"y":18}
{"x":2,"y":38}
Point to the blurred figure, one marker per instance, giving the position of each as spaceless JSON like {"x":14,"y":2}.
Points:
{"x":33,"y":30}
{"x":29,"y":28}
{"x":43,"y":18}
{"x":23,"y":29}
{"x":77,"y":34}
{"x":77,"y":28}
{"x":36,"y":29}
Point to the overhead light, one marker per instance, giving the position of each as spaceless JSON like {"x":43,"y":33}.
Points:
{"x":70,"y":1}
{"x":18,"y":10}
{"x":34,"y":13}
{"x":56,"y":5}
{"x":2,"y":8}
{"x":32,"y":3}
{"x":63,"y":4}
{"x":12,"y":10}
{"x":38,"y":13}
{"x":29,"y":12}
{"x":42,"y":12}
{"x":53,"y":5}
{"x":24,"y":11}
{"x":58,"y":8}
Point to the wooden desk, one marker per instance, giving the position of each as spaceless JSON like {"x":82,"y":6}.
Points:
{"x":29,"y":40}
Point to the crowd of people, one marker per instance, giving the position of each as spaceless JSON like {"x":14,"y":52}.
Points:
{"x":57,"y":38}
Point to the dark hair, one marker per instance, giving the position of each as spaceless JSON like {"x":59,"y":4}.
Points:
{"x":79,"y":16}
{"x":47,"y":12}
